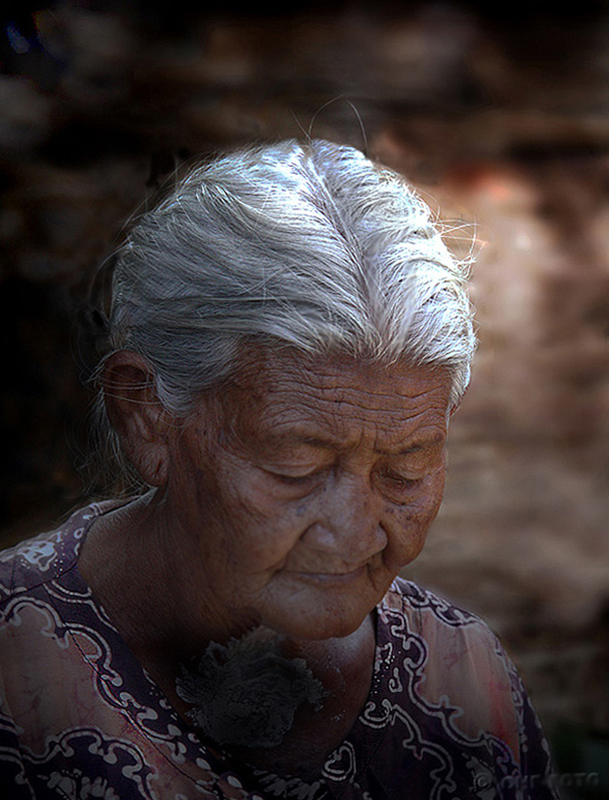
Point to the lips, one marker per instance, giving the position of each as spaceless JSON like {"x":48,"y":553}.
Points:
{"x":329,"y":577}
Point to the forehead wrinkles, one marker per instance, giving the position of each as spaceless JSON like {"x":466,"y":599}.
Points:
{"x":347,"y":403}
{"x":287,"y":387}
{"x":387,"y":419}
{"x":348,"y":400}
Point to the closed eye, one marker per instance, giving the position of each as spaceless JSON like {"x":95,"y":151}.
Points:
{"x":297,"y":480}
{"x":399,"y":481}
{"x":293,"y":480}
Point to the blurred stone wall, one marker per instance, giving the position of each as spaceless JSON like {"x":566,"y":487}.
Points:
{"x":502,"y":122}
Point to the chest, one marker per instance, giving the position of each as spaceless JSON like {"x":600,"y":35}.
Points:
{"x":315,"y":734}
{"x":344,"y":668}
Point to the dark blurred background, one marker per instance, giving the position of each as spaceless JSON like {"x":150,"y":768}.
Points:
{"x":499,"y":115}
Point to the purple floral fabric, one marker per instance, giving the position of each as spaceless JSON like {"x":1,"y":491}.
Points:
{"x":446,"y":719}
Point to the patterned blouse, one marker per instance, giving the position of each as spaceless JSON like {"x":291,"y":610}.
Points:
{"x":446,"y":718}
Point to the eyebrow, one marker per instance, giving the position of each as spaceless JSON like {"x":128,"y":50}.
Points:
{"x":328,"y":443}
{"x":414,"y":447}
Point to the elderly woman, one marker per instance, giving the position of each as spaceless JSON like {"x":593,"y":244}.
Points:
{"x":289,"y":339}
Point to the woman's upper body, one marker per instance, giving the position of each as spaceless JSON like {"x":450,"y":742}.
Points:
{"x":445,"y":715}
{"x":289,"y":338}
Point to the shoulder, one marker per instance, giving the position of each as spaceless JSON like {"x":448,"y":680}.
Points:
{"x":453,"y":660}
{"x":45,"y":557}
{"x":457,"y":639}
{"x":38,"y":587}
{"x":446,"y":663}
{"x":429,"y":613}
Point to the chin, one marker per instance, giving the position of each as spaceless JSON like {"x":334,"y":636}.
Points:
{"x":318,"y":608}
{"x":318,"y":626}
{"x":345,"y":628}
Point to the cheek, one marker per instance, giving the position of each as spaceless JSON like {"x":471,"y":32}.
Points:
{"x":406,"y":533}
{"x":426,"y":506}
{"x":407,"y":525}
{"x":263,"y":529}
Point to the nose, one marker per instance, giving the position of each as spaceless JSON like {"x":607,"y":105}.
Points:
{"x":349,"y":522}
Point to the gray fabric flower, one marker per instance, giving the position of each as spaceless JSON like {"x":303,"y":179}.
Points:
{"x":246,"y":693}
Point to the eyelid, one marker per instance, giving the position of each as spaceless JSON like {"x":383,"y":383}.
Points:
{"x":421,"y":462}
{"x":400,"y":481}
{"x":295,"y":480}
{"x":397,"y":478}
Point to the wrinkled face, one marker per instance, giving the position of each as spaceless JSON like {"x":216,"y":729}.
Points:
{"x":315,"y":487}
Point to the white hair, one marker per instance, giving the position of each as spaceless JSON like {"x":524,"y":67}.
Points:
{"x":311,"y":245}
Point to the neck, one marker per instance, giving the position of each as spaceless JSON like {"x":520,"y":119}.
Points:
{"x":143,"y":571}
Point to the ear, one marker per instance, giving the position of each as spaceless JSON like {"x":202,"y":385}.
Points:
{"x":136,"y":414}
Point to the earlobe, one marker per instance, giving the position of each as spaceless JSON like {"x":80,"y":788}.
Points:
{"x":137,"y":415}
